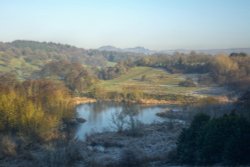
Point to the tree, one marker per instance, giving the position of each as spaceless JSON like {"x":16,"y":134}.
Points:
{"x":187,"y":141}
{"x":218,"y":140}
{"x":223,"y":67}
{"x":34,"y":108}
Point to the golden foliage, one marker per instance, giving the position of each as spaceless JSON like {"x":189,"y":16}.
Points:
{"x":34,"y":108}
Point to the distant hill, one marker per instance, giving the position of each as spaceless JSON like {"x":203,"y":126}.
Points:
{"x":146,"y":51}
{"x":138,"y":49}
{"x":208,"y":51}
{"x":109,"y":48}
{"x":46,"y":46}
{"x":23,"y":57}
{"x":226,"y":51}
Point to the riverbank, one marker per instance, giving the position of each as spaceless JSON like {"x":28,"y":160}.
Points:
{"x":152,"y":101}
{"x":82,"y":100}
{"x":152,"y":146}
{"x":155,"y":101}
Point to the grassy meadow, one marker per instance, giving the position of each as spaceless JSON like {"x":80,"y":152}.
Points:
{"x":152,"y":81}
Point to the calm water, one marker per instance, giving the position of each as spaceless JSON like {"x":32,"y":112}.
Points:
{"x":100,"y":116}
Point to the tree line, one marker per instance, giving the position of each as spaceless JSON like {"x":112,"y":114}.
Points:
{"x":227,"y":70}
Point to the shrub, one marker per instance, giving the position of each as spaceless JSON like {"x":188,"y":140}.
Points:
{"x":187,"y":141}
{"x":132,"y":158}
{"x":8,"y":146}
{"x":218,"y":140}
{"x":61,"y":155}
{"x":34,"y":109}
{"x":187,"y":83}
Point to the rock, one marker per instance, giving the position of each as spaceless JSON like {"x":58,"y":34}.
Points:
{"x":165,"y":113}
{"x":81,"y":120}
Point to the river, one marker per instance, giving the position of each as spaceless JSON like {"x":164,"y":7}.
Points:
{"x":103,"y":116}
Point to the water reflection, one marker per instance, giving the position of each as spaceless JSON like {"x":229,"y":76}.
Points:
{"x":100,"y":116}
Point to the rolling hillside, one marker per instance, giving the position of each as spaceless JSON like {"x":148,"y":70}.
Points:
{"x":152,"y":81}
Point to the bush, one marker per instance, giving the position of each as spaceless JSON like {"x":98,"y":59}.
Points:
{"x":132,"y":158}
{"x":125,"y":122}
{"x":218,"y":140}
{"x":207,"y":101}
{"x":34,"y":109}
{"x":187,"y":83}
{"x":61,"y":155}
{"x":187,"y":141}
{"x":7,"y":146}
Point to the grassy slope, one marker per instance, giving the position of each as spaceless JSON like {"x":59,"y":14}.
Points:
{"x":158,"y":81}
{"x":19,"y":66}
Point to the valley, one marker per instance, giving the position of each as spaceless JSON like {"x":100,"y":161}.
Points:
{"x":99,"y":108}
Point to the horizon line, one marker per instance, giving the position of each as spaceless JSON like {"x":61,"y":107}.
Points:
{"x":122,"y":48}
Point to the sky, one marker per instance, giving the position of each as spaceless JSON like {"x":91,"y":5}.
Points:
{"x":154,"y":24}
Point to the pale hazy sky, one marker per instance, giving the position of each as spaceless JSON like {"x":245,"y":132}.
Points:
{"x":155,"y":24}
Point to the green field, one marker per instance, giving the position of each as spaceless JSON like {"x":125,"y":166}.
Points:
{"x":21,"y":68}
{"x":155,"y":81}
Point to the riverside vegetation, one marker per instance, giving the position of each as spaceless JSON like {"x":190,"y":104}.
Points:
{"x":37,"y":114}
